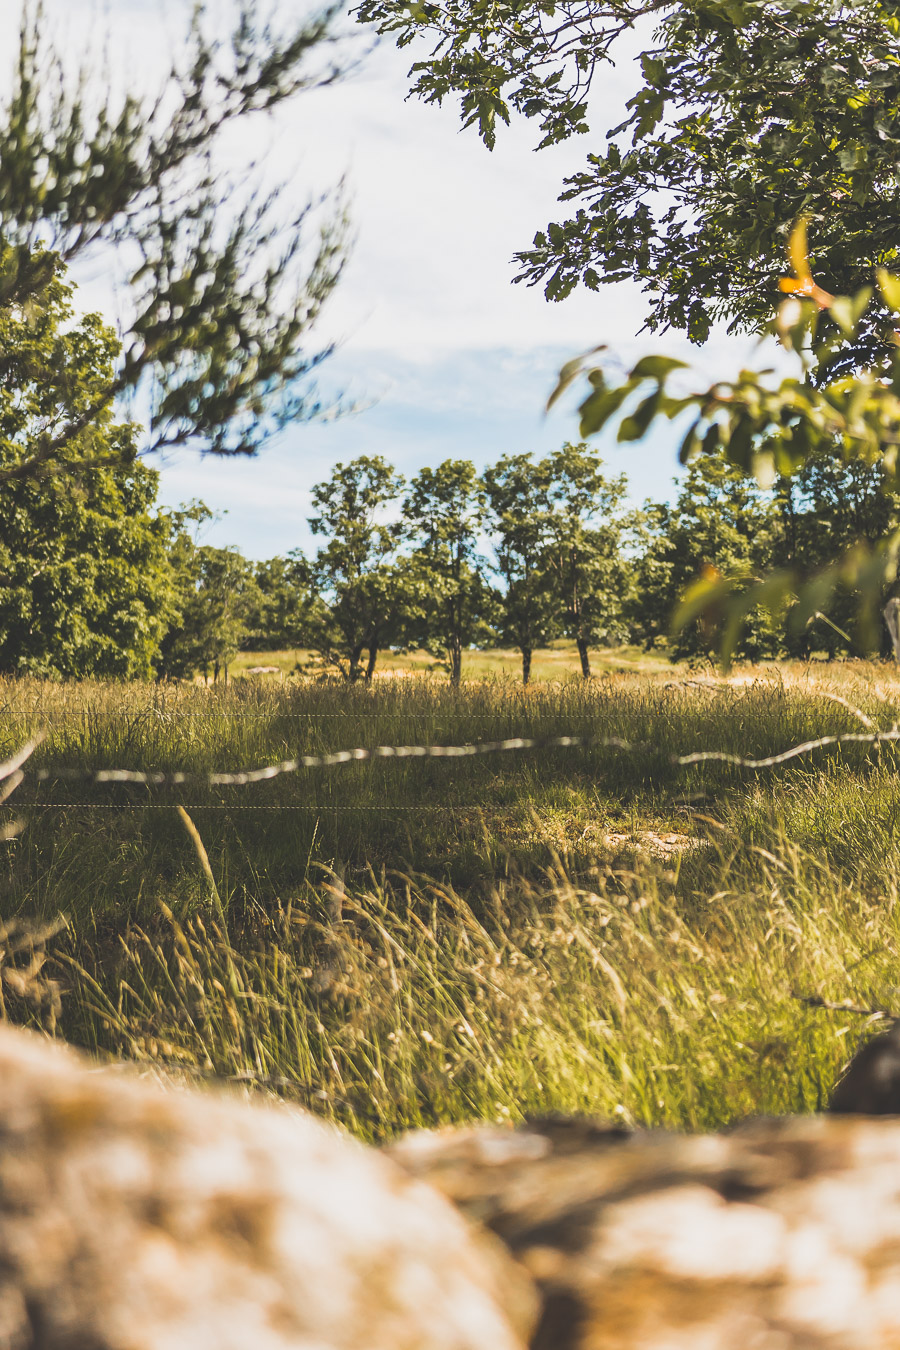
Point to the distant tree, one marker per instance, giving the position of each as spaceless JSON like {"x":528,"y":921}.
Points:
{"x":217,"y":597}
{"x":286,"y":608}
{"x":827,"y":509}
{"x":724,"y":524}
{"x":518,"y":495}
{"x":222,"y":283}
{"x":354,"y":573}
{"x":223,"y":604}
{"x":177,"y":653}
{"x":588,"y":576}
{"x":86,"y":587}
{"x":720,"y":523}
{"x":444,"y":513}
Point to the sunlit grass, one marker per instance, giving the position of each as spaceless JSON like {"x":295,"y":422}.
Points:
{"x":557,"y":662}
{"x":509,"y":937}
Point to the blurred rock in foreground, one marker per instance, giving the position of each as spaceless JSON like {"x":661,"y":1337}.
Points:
{"x":135,"y":1217}
{"x":778,"y":1235}
{"x":138,"y":1218}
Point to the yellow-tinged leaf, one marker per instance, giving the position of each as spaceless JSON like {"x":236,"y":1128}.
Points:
{"x":764,"y":469}
{"x":802,"y":283}
{"x":798,"y":251}
{"x":889,"y":285}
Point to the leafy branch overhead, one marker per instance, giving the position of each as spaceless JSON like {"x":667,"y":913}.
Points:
{"x":223,"y":281}
{"x":772,"y":428}
{"x":747,"y":114}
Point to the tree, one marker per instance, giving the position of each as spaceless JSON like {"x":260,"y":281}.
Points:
{"x":222,"y":283}
{"x":722,"y":523}
{"x":217,"y":598}
{"x":219,"y":614}
{"x":353,"y":573}
{"x":86,"y":587}
{"x":176,"y":658}
{"x":517,"y":491}
{"x":444,"y":513}
{"x":582,"y":557}
{"x":286,"y":609}
{"x":749,"y":113}
{"x":827,"y":509}
{"x":768,"y":427}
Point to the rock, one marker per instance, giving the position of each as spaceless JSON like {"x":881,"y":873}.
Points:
{"x":777,"y":1235}
{"x":871,"y":1085}
{"x":138,"y":1218}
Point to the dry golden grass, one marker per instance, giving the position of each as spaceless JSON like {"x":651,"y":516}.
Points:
{"x":580,"y":929}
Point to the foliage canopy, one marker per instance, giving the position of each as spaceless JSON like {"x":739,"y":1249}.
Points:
{"x":85,"y":577}
{"x":766,"y":427}
{"x":748,"y":114}
{"x":222,"y":283}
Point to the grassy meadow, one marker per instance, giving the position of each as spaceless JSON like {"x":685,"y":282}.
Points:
{"x":557,"y":662}
{"x":410,"y":942}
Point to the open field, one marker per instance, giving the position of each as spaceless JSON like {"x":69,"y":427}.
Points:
{"x":559,"y":662}
{"x":399,"y":942}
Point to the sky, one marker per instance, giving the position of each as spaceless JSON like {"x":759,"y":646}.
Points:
{"x":441,"y":353}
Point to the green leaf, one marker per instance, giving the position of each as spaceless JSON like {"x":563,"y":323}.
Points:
{"x":711,"y":439}
{"x":598,"y":408}
{"x":771,"y":594}
{"x":690,"y":446}
{"x":654,"y":69}
{"x":635,"y":426}
{"x":570,"y":372}
{"x":707,"y":592}
{"x":738,"y":441}
{"x":656,"y":367}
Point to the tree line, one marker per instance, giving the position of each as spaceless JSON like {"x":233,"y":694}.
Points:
{"x":96,"y":581}
{"x":537,"y":549}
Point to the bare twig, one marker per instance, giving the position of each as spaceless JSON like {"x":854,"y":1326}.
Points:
{"x":845,"y":1006}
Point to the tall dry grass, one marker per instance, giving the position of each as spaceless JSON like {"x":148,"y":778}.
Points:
{"x":495,"y":961}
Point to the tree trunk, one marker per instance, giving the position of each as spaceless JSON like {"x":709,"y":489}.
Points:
{"x":892,"y":619}
{"x":454,"y":652}
{"x":353,"y":672}
{"x":526,"y":664}
{"x":585,"y":660}
{"x":373,"y":657}
{"x":216,"y":669}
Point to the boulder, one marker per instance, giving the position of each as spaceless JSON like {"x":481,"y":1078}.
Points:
{"x":871,"y":1084}
{"x":135,"y":1217}
{"x":776,"y":1235}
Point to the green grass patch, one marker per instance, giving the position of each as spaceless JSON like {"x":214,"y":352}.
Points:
{"x":408,"y":942}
